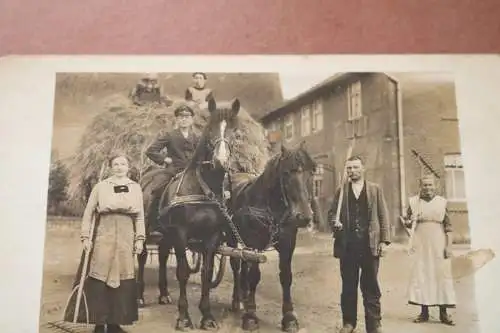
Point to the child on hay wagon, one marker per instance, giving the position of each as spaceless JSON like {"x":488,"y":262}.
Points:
{"x":198,"y":92}
{"x":180,"y":145}
{"x":149,"y":90}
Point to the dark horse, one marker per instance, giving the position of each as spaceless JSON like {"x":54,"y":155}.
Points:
{"x":268,"y":210}
{"x":192,"y":213}
{"x":165,"y":244}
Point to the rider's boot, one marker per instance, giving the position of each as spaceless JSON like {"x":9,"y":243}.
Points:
{"x":154,"y":229}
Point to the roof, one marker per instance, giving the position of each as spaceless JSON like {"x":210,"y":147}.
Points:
{"x":281,"y":108}
{"x":332,"y":80}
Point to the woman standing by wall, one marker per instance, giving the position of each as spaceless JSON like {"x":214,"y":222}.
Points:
{"x":430,"y":282}
{"x":110,"y":289}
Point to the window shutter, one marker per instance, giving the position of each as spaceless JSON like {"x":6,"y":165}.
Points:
{"x":349,"y":129}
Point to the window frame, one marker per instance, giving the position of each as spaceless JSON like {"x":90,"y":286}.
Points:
{"x":288,"y":121}
{"x":453,"y":164}
{"x":317,"y":113}
{"x":305,"y":114}
{"x":354,"y":91}
{"x":318,"y":181}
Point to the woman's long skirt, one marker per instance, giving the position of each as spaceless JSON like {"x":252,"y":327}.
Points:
{"x":112,"y":251}
{"x":430,"y":283}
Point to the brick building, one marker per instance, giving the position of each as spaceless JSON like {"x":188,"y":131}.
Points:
{"x":402,"y":125}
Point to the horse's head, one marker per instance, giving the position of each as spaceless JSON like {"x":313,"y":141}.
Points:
{"x":295,"y":170}
{"x":222,"y":122}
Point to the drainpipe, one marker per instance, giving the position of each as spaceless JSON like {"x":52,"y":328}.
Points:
{"x":402,"y":177}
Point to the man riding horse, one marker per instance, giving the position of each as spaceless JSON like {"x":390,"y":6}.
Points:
{"x":180,"y":144}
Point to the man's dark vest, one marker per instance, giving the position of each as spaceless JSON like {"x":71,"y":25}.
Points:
{"x":358,"y":214}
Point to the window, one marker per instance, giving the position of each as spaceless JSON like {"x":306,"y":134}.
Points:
{"x":455,"y":177}
{"x":319,"y":170}
{"x":288,"y":128}
{"x":317,"y":121}
{"x":318,"y":180}
{"x":305,"y":121}
{"x":354,"y":101}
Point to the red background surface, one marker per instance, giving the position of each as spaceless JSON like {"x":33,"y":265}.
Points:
{"x":246,"y":26}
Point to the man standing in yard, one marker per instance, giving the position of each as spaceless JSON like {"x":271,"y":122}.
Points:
{"x":361,"y":234}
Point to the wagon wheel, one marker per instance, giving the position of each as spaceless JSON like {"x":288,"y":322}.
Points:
{"x":219,"y":270}
{"x":194,"y":261}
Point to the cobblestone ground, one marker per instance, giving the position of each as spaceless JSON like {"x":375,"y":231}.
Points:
{"x":316,"y":292}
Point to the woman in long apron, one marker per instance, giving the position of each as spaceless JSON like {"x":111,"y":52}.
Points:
{"x":110,"y":289}
{"x":430,"y":283}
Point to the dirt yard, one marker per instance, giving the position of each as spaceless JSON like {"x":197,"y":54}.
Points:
{"x":316,"y":291}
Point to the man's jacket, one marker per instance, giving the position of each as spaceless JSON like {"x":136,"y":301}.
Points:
{"x":179,"y":149}
{"x":378,"y":225}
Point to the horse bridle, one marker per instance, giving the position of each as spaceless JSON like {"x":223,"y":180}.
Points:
{"x":214,"y":147}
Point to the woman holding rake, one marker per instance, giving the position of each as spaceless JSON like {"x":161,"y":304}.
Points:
{"x":112,"y":230}
{"x":430,"y":284}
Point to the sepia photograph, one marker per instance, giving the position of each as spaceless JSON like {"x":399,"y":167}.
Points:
{"x":262,"y":201}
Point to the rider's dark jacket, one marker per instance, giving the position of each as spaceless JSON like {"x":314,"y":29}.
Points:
{"x":179,"y":149}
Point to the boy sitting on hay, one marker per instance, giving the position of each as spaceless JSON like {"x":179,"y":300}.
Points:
{"x":180,"y":145}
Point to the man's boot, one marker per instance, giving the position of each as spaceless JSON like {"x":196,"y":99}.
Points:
{"x":347,"y":328}
{"x":373,"y":326}
{"x":154,"y":229}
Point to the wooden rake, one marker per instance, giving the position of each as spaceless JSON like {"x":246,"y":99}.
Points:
{"x":74,"y":326}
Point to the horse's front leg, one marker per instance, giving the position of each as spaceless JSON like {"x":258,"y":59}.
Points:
{"x":208,"y":321}
{"x":183,"y":321}
{"x":236,"y":297}
{"x":141,"y":261}
{"x":250,"y":319}
{"x":286,"y":247}
{"x":163,"y":254}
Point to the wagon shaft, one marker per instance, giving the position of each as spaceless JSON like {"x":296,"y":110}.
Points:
{"x":244,"y":254}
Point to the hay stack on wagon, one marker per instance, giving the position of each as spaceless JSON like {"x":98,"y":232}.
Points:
{"x":123,"y":126}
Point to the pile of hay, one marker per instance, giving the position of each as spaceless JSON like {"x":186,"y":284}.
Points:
{"x":123,"y":126}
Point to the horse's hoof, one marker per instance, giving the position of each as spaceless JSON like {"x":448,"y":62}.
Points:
{"x":141,"y":303}
{"x":289,"y":323}
{"x":209,"y":324}
{"x":165,"y":299}
{"x":250,"y":322}
{"x":184,"y":325}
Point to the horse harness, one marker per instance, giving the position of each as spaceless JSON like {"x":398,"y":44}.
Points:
{"x":210,"y":197}
{"x":267,"y":218}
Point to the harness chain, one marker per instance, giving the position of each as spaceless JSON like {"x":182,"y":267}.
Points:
{"x":210,"y":195}
{"x":221,"y":205}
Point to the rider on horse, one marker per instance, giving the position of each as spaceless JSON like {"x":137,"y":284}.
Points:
{"x":180,"y":144}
